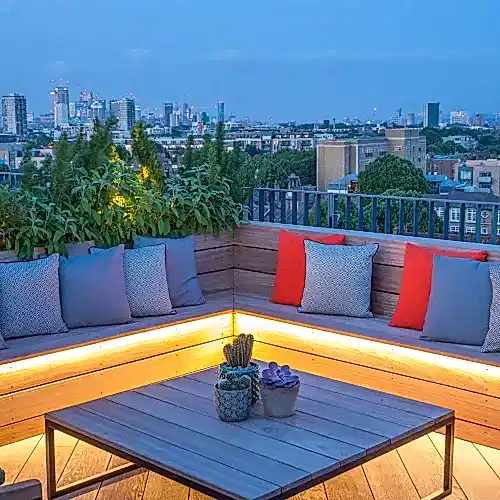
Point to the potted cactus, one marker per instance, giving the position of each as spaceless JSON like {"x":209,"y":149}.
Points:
{"x":2,"y":477}
{"x":279,"y":389}
{"x":233,"y":397}
{"x":238,"y":356}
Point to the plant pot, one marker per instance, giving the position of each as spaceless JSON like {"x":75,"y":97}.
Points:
{"x":233,"y":406}
{"x":252,"y":370}
{"x":280,"y":402}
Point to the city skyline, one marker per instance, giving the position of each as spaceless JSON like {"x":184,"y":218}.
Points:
{"x":303,"y":60}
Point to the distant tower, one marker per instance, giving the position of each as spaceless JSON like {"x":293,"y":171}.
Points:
{"x":431,"y":115}
{"x":167,"y":110}
{"x":87,"y":97}
{"x":61,"y":106}
{"x":14,"y":113}
{"x":220,"y":111}
{"x":98,"y":110}
{"x":411,"y":119}
{"x":399,"y":116}
{"x":113,"y":108}
{"x":125,"y":112}
{"x":138,"y":113}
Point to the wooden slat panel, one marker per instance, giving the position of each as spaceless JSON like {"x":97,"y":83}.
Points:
{"x":31,"y":403}
{"x":206,"y":241}
{"x":21,"y":430}
{"x":391,"y":251}
{"x":219,"y":281}
{"x":214,"y":259}
{"x":133,"y":348}
{"x":469,"y":406}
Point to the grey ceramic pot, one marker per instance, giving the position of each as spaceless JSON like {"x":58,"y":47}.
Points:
{"x":233,"y":406}
{"x":280,"y":402}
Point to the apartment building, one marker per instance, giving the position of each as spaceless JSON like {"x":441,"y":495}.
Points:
{"x":485,"y":175}
{"x":339,"y":158}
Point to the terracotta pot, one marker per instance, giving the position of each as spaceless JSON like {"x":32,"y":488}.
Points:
{"x":280,"y":402}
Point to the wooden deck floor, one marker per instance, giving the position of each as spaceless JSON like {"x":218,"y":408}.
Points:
{"x":410,"y":473}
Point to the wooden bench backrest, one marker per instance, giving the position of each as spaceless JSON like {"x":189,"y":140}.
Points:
{"x":255,"y":257}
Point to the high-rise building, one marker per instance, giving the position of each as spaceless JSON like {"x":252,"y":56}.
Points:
{"x":431,"y":115}
{"x":478,"y":120}
{"x":408,"y":143}
{"x":113,"y":108}
{"x":175,"y":119}
{"x":60,"y":99}
{"x":220,"y":111}
{"x":186,"y":116}
{"x":138,"y":113}
{"x":98,"y":110}
{"x":167,"y":110}
{"x":14,"y":112}
{"x":87,"y":97}
{"x":125,"y":112}
{"x":411,"y":119}
{"x":459,"y":118}
{"x":72,"y":109}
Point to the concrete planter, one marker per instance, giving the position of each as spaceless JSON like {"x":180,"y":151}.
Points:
{"x":280,"y":402}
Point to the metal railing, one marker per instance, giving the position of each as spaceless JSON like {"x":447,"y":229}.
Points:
{"x":431,"y":217}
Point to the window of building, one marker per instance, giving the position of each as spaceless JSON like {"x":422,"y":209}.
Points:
{"x":454,"y":214}
{"x":498,"y":231}
{"x":440,"y":212}
{"x":484,"y":231}
{"x":454,"y":229}
{"x":470,"y":215}
{"x":398,"y":148}
{"x":470,"y":230}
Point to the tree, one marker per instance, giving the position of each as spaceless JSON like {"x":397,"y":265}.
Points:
{"x":62,"y":171}
{"x":392,"y":172}
{"x":188,"y":161}
{"x":29,"y":169}
{"x":144,"y":151}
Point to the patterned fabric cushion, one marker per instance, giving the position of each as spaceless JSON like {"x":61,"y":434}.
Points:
{"x":29,"y":298}
{"x":93,"y":290}
{"x":183,"y":283}
{"x":145,"y":280}
{"x":492,"y":341}
{"x":338,"y":279}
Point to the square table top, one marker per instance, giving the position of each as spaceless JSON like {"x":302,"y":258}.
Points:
{"x":173,"y":427}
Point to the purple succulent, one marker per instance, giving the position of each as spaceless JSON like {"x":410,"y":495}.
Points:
{"x":276,"y":376}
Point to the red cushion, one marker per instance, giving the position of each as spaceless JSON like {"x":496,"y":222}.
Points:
{"x":291,"y":268}
{"x":416,"y":283}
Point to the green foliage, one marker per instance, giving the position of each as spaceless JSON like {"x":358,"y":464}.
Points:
{"x":392,"y":172}
{"x":29,"y":170}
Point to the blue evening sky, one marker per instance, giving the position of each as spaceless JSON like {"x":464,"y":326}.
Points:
{"x":280,"y":59}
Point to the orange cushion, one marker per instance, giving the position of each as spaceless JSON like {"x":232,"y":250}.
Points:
{"x":291,"y":268}
{"x":416,"y":283}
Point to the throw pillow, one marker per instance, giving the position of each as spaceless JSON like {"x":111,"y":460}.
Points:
{"x":93,"y":289}
{"x":291,"y":268}
{"x":338,"y":279}
{"x":416,"y":283}
{"x":29,"y":298}
{"x":145,"y":280}
{"x":459,"y":304}
{"x":492,"y":340}
{"x":182,"y":278}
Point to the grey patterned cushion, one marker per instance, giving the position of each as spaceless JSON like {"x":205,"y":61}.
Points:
{"x":29,"y":298}
{"x":492,"y":340}
{"x":338,"y":279}
{"x":145,"y":280}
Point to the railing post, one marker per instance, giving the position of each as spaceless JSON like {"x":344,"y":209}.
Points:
{"x":478,"y":223}
{"x":347,"y":212}
{"x":387,"y":222}
{"x":294,"y":208}
{"x":306,"y":209}
{"x":360,"y":214}
{"x":272,"y":204}
{"x":262,"y":200}
{"x":446,"y":227}
{"x":461,"y":227}
{"x":401,"y":218}
{"x":318,"y":210}
{"x":430,"y":221}
{"x":283,"y":207}
{"x":374,"y":215}
{"x":250,"y":205}
{"x":416,"y":217}
{"x":494,"y":224}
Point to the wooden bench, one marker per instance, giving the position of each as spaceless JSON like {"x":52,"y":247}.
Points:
{"x":366,"y":352}
{"x":237,"y":276}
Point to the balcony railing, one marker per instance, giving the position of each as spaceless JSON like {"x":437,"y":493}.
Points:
{"x":432,"y":217}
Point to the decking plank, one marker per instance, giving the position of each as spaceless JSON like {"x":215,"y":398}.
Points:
{"x":492,"y":457}
{"x":130,"y":486}
{"x":161,"y":488}
{"x":14,"y":456}
{"x":351,"y":485}
{"x":158,"y":453}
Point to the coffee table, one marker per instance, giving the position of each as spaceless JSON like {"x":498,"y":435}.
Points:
{"x":171,"y":428}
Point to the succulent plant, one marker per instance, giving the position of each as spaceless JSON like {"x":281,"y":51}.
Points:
{"x":239,"y":353}
{"x":2,"y":477}
{"x":234,"y":382}
{"x":275,"y":377}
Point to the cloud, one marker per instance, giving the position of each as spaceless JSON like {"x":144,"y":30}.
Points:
{"x":138,"y":54}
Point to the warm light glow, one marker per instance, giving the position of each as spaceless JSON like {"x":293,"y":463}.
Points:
{"x":256,"y":325}
{"x":218,"y":324}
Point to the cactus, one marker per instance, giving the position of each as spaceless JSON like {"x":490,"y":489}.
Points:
{"x":2,"y":476}
{"x":234,"y":382}
{"x":239,"y":353}
{"x":276,"y":376}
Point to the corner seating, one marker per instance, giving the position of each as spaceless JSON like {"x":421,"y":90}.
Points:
{"x":237,"y":275}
